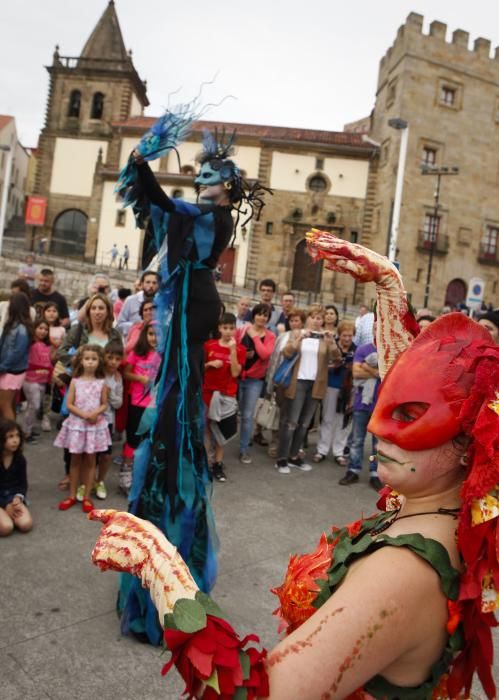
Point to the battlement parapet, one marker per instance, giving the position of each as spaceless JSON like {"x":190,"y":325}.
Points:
{"x":457,"y":52}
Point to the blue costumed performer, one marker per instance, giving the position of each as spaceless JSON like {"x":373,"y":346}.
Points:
{"x":171,"y":484}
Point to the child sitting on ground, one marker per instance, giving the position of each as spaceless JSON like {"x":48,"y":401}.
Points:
{"x":113,"y":354}
{"x":224,"y":360}
{"x":13,"y":481}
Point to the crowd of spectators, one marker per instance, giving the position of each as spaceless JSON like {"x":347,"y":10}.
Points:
{"x":275,"y":375}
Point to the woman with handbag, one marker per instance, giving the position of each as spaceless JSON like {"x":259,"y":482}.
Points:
{"x":259,"y":343}
{"x":274,"y":388}
{"x":312,"y":350}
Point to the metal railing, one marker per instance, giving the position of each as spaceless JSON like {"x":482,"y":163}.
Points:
{"x":486,"y":256}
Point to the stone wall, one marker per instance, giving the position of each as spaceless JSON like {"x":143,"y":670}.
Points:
{"x":72,"y":276}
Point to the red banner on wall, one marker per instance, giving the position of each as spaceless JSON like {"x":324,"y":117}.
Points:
{"x":36,"y":209}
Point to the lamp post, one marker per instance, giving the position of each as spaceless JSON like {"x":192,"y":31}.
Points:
{"x":5,"y":190}
{"x":438,"y":173}
{"x":402,"y":126}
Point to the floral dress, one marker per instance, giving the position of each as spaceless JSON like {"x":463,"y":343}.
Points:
{"x":77,"y":434}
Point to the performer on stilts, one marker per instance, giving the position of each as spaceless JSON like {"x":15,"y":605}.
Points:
{"x":399,"y":605}
{"x":171,"y":484}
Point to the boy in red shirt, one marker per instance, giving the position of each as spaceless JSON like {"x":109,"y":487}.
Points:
{"x":224,"y":360}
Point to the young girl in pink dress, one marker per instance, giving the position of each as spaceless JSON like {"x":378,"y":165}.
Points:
{"x":142,"y":365}
{"x":85,"y":431}
{"x":38,"y":376}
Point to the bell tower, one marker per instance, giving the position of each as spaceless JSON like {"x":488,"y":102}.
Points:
{"x":87,"y":93}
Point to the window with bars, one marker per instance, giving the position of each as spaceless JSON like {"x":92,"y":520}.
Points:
{"x":431,"y":228}
{"x":448,"y":95}
{"x":489,"y":241}
{"x":429,"y":156}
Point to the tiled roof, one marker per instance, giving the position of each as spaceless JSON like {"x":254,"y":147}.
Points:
{"x":280,"y":133}
{"x":4,"y":120}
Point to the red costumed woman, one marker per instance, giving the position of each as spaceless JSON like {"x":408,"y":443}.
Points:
{"x":424,"y":629}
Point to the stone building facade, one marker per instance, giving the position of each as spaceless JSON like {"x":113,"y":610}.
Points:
{"x":94,"y":119}
{"x":449,"y":95}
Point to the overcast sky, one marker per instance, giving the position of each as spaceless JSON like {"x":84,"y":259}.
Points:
{"x":301,"y":63}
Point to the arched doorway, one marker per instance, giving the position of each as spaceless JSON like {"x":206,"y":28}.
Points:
{"x":455,"y":293}
{"x":307,"y":275}
{"x":69,"y":234}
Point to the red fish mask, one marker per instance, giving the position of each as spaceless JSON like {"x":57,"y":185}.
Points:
{"x":421,"y":397}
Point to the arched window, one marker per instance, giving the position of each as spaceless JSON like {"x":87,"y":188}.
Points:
{"x":74,"y":104}
{"x":97,"y":106}
{"x":69,"y":234}
{"x":317,"y":183}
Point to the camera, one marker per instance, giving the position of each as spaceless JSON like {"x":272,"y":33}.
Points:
{"x":316,"y":335}
{"x":102,"y":290}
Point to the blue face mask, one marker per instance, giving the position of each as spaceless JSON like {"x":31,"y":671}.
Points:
{"x":215,"y":172}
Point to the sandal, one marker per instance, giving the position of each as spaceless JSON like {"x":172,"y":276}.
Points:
{"x":63,"y":484}
{"x":87,"y":505}
{"x":67,"y":503}
{"x":318,"y":457}
{"x":342,"y":461}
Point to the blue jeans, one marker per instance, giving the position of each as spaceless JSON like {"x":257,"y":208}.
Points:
{"x":249,"y":393}
{"x":359,"y":432}
{"x":300,"y":412}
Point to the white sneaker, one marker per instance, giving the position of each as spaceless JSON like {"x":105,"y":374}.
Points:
{"x":282,"y":468}
{"x":46,"y":427}
{"x":80,"y":492}
{"x":100,"y":490}
{"x":298,"y":463}
{"x":244,"y":458}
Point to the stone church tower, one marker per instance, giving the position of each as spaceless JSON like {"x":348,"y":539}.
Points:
{"x":86,"y":95}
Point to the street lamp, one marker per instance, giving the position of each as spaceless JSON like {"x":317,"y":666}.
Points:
{"x":5,"y":190}
{"x":403,"y":126}
{"x":438,"y":173}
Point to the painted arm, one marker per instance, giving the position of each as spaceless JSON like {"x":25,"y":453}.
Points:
{"x":340,"y":648}
{"x":330,"y":655}
{"x":136,"y":546}
{"x":396,"y":326}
